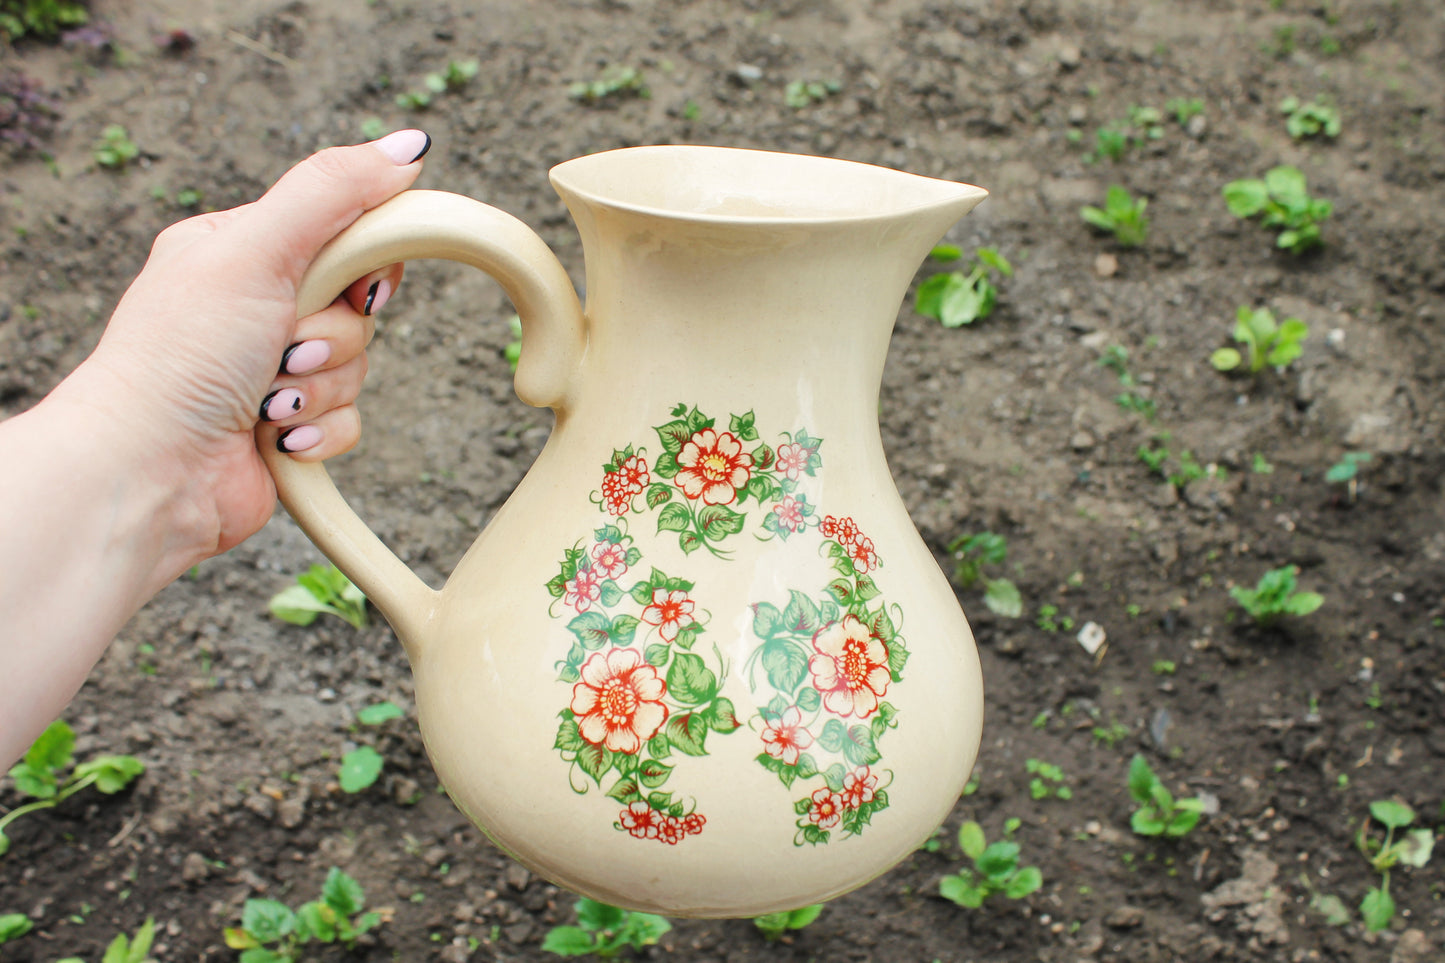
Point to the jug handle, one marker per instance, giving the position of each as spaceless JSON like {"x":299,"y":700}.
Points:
{"x":427,"y":224}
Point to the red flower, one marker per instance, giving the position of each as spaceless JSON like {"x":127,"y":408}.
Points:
{"x":827,"y":808}
{"x":610,"y":558}
{"x":790,"y":513}
{"x":583,"y":589}
{"x":670,"y":829}
{"x":616,"y":495}
{"x":639,"y":820}
{"x":847,"y":531}
{"x":634,"y":474}
{"x":786,"y":737}
{"x":851,"y":667}
{"x":619,"y":700}
{"x":692,"y":823}
{"x":859,"y":787}
{"x":712,"y":466}
{"x":829,"y":527}
{"x":862,"y":554}
{"x":669,"y":611}
{"x":792,"y":460}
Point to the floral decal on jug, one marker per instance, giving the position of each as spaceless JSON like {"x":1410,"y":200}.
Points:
{"x":642,"y":688}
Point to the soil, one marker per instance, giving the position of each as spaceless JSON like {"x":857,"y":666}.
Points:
{"x":1011,"y":425}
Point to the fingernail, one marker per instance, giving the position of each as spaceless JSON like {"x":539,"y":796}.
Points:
{"x":305,"y":357}
{"x":297,"y":439}
{"x":377,"y":296}
{"x":281,"y":403}
{"x":405,"y":146}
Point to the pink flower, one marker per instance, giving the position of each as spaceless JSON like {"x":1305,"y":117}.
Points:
{"x":859,"y":787}
{"x":712,"y":466}
{"x":618,"y":703}
{"x":850,"y":669}
{"x":583,"y":589}
{"x":827,"y":808}
{"x":634,"y":474}
{"x":829,"y":527}
{"x":669,"y":611}
{"x":610,"y":558}
{"x":639,"y":820}
{"x":692,"y":823}
{"x":862,"y":554}
{"x":792,"y":460}
{"x":790,"y":513}
{"x":786,"y":737}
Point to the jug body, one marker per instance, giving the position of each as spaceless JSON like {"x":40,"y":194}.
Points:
{"x":701,"y":663}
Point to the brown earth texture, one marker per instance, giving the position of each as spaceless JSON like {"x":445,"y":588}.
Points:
{"x":1028,"y":424}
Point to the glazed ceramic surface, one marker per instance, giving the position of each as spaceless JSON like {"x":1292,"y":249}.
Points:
{"x":700,"y":663}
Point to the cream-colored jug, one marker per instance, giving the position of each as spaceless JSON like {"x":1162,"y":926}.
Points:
{"x":701,"y":662}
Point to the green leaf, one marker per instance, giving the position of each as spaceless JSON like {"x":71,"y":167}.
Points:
{"x":653,"y":773}
{"x":785,"y":662}
{"x":964,"y":303}
{"x":1286,"y":184}
{"x":721,"y":716}
{"x":1416,"y":846}
{"x":4,"y":844}
{"x":112,"y":773}
{"x":687,"y":731}
{"x":1225,"y":359}
{"x":40,"y":783}
{"x":342,"y":893}
{"x":859,"y":748}
{"x":625,"y":790}
{"x":1378,"y":909}
{"x":359,"y":769}
{"x":1003,"y":598}
{"x":13,"y":926}
{"x":1024,"y":882}
{"x":375,"y":715}
{"x":785,"y":772}
{"x":743,"y":426}
{"x":689,"y":680}
{"x":962,"y":890}
{"x":594,"y":760}
{"x":1097,"y":218}
{"x":261,"y":955}
{"x":1146,"y":822}
{"x":717,"y":522}
{"x":1141,"y":779}
{"x":658,"y":493}
{"x":929,"y":299}
{"x":568,"y":941}
{"x":673,"y":436}
{"x":295,"y":604}
{"x":645,"y":929}
{"x":801,"y":616}
{"x":658,"y":653}
{"x":998,"y":860}
{"x":267,"y":920}
{"x":1303,"y":603}
{"x":593,"y":629}
{"x":569,"y":739}
{"x":1182,"y":821}
{"x":1331,"y":907}
{"x":995,"y":260}
{"x":316,"y":921}
{"x":809,"y":699}
{"x":971,"y":839}
{"x":767,"y":620}
{"x":1246,"y":198}
{"x":52,"y":750}
{"x":1395,"y":815}
{"x":674,"y":518}
{"x":945,"y":253}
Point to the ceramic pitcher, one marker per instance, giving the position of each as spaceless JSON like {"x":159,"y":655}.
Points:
{"x":700,"y":663}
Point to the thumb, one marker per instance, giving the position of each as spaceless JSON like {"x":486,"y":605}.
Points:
{"x":319,"y":197}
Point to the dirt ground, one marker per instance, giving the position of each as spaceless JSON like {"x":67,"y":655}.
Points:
{"x":1011,"y":425}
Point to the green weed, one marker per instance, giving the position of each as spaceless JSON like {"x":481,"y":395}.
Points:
{"x":955,"y":298}
{"x":361,"y":767}
{"x":114,"y":150}
{"x":1275,"y":597}
{"x":995,"y":869}
{"x":774,"y":925}
{"x":42,"y":775}
{"x":605,"y":931}
{"x":513,"y":350}
{"x":801,"y":94}
{"x":42,"y":19}
{"x":456,"y":76}
{"x":1121,"y":215}
{"x":1311,"y":119}
{"x":614,"y":84}
{"x":1413,"y":848}
{"x":1047,"y":781}
{"x":123,"y":949}
{"x":970,"y":554}
{"x":13,"y":926}
{"x":1185,"y":109}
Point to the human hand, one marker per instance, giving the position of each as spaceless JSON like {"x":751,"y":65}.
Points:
{"x":191,"y":355}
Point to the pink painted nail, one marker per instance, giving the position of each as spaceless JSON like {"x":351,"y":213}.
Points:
{"x":282,"y":403}
{"x":377,"y":296}
{"x":305,"y":357}
{"x":299,"y":438}
{"x":404,"y":146}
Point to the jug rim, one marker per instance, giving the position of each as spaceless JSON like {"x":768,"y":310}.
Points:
{"x":747,"y":186}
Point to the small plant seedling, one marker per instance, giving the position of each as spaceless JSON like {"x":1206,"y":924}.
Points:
{"x":361,"y":767}
{"x":1185,"y":109}
{"x":1050,"y":621}
{"x":1110,"y":735}
{"x":320,"y":589}
{"x":513,"y":351}
{"x":801,"y":94}
{"x":970,"y":554}
{"x":1281,"y":200}
{"x":1413,"y":848}
{"x":1275,"y":596}
{"x":1310,"y":119}
{"x":774,"y":925}
{"x":1159,"y":813}
{"x":456,"y":76}
{"x":995,"y":869}
{"x":1164,"y":667}
{"x":1265,"y":341}
{"x":373,"y":128}
{"x":1147,"y":122}
{"x":1048,"y":781}
{"x":13,"y":926}
{"x":42,"y":19}
{"x":42,"y":774}
{"x":1121,"y":215}
{"x":272,"y":932}
{"x":614,"y":84}
{"x":605,"y":931}
{"x":1346,"y":471}
{"x":114,"y":150}
{"x":123,"y":949}
{"x":955,"y":298}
